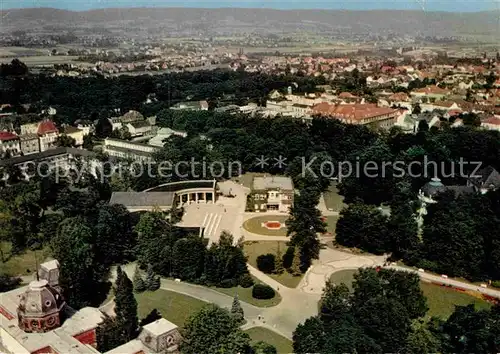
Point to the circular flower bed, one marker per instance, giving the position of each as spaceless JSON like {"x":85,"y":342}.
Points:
{"x":272,"y":225}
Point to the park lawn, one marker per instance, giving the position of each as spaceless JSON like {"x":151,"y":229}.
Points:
{"x":24,"y":263}
{"x":253,"y":249}
{"x":245,"y":295}
{"x":440,"y":299}
{"x":283,"y":345}
{"x":333,"y":200}
{"x":173,"y":306}
{"x":331,"y":224}
{"x":254,"y":225}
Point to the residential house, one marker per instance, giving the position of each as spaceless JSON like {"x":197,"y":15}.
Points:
{"x":348,"y":97}
{"x":140,"y":128}
{"x":9,"y":144}
{"x":74,"y":133}
{"x":271,"y":194}
{"x":492,"y":123}
{"x":430,"y":93}
{"x":47,"y":133}
{"x":363,"y":114}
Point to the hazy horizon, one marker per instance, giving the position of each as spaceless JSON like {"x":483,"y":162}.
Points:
{"x":428,"y":5}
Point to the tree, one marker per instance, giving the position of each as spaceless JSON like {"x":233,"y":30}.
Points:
{"x":310,"y":336}
{"x":153,"y":316}
{"x":214,"y":330}
{"x":152,"y":280}
{"x":82,"y":275}
{"x":64,"y":140}
{"x":264,"y":348}
{"x":108,"y":335}
{"x":416,"y":109}
{"x":266,"y":262}
{"x":278,"y":262}
{"x":188,"y":258}
{"x":125,"y":307}
{"x":237,"y":310}
{"x":304,"y":224}
{"x":364,"y":227}
{"x":139,"y":284}
{"x":103,"y":128}
{"x":8,"y":283}
{"x":295,"y":267}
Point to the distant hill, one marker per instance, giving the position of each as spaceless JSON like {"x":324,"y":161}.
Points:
{"x":244,"y":21}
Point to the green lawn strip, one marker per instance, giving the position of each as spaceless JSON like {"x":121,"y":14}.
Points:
{"x":173,"y":306}
{"x":282,"y":344}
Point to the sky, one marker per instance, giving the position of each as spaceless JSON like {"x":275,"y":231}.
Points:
{"x":430,"y":5}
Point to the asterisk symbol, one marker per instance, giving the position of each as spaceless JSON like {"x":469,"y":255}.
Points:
{"x":262,"y":161}
{"x":280,"y":161}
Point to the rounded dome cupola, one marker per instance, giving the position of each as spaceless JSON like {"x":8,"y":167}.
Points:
{"x":40,"y":308}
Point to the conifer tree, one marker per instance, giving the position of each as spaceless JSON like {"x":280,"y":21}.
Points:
{"x":278,"y":262}
{"x":295,"y":268}
{"x":125,"y":307}
{"x":139,"y":284}
{"x":152,"y":280}
{"x":237,"y":310}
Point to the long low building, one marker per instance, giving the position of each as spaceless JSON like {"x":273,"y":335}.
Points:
{"x":125,"y":149}
{"x":167,"y":196}
{"x":363,"y":114}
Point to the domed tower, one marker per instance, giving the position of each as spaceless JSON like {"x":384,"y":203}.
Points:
{"x":41,"y":308}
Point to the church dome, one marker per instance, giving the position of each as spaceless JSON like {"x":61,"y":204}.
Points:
{"x":433,"y":187}
{"x":40,"y":307}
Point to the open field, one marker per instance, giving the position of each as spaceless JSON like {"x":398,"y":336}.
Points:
{"x":245,"y":294}
{"x":282,"y":344}
{"x":173,"y":306}
{"x":24,"y":263}
{"x":41,"y":60}
{"x":440,"y":299}
{"x":254,"y":249}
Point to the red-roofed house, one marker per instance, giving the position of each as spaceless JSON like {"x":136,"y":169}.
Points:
{"x":48,"y":133}
{"x":433,"y":93}
{"x":363,"y":114}
{"x":492,"y":123}
{"x":9,"y":142}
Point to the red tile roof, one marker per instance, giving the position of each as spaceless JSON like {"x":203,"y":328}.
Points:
{"x":5,"y":136}
{"x":46,"y":127}
{"x":492,"y":121}
{"x":352,"y":111}
{"x":433,"y":90}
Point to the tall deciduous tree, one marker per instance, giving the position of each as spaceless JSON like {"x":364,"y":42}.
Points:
{"x":82,"y":274}
{"x":363,"y":226}
{"x":214,"y":330}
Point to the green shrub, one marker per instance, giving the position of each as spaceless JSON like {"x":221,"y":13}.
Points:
{"x":227,"y":283}
{"x":246,"y":281}
{"x":262,"y":291}
{"x":495,"y":284}
{"x":265,"y":262}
